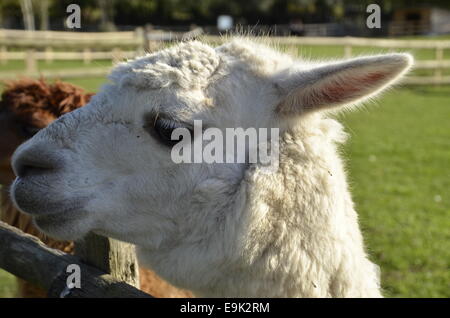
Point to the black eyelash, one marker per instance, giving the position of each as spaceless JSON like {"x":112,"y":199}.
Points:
{"x":161,"y":129}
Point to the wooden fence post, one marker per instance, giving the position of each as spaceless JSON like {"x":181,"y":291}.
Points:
{"x":48,"y":55}
{"x":3,"y":55}
{"x":87,"y":56}
{"x":116,"y":55}
{"x":439,"y":58}
{"x":147,"y":41}
{"x":111,"y":256}
{"x":31,"y":64}
{"x":347,"y":51}
{"x":140,"y":36}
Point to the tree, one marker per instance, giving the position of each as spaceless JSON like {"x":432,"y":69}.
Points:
{"x":43,"y":14}
{"x":107,"y":15}
{"x":28,"y":15}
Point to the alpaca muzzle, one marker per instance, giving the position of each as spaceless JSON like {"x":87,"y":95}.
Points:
{"x":37,"y":166}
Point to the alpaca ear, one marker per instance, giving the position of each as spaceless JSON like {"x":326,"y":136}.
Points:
{"x":344,"y":83}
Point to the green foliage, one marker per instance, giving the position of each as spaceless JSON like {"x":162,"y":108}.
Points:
{"x":205,"y":12}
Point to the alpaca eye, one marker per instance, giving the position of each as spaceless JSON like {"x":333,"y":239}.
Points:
{"x":29,"y":131}
{"x":163,"y":129}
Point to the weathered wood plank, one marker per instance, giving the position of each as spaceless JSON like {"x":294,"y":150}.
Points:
{"x":111,"y":256}
{"x":28,"y":258}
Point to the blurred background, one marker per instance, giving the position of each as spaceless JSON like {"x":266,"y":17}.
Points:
{"x":398,"y":155}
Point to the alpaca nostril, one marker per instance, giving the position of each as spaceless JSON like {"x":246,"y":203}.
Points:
{"x":35,"y":160}
{"x":32,"y":166}
{"x":29,"y":170}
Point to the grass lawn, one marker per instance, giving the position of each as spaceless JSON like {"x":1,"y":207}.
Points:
{"x":19,"y":66}
{"x":7,"y":285}
{"x":398,"y":158}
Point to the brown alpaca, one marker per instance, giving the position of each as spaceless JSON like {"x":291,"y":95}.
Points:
{"x":26,"y":106}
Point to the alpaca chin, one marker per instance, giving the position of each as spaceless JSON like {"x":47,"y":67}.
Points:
{"x":66,"y":228}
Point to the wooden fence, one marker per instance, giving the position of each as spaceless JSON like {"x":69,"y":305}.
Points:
{"x":28,"y":258}
{"x":50,"y":46}
{"x":438,"y":65}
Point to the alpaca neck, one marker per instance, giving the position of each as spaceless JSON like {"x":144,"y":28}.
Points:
{"x":302,"y":237}
{"x":301,"y":234}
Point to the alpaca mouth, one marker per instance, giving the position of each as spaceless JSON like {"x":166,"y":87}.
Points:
{"x":53,"y":214}
{"x":32,"y":197}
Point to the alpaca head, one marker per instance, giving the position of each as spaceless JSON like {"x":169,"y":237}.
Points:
{"x":107,"y":167}
{"x":27,"y":106}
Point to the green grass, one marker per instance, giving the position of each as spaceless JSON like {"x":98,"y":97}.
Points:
{"x":90,"y":84}
{"x":398,"y":159}
{"x":7,"y":285}
{"x":398,"y":162}
{"x":55,"y":65}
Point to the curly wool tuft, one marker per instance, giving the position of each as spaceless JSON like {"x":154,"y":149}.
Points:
{"x":30,"y":100}
{"x":188,"y":65}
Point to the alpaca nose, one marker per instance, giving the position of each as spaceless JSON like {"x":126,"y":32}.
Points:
{"x":35,"y":159}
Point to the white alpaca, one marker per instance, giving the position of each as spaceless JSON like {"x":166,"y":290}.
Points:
{"x":216,"y":229}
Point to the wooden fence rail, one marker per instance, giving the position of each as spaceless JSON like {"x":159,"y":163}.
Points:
{"x":42,"y":39}
{"x":28,"y":258}
{"x":86,"y":55}
{"x":116,"y":46}
{"x":352,"y":41}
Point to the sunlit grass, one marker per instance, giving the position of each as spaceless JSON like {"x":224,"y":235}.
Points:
{"x":398,"y":160}
{"x":8,"y":285}
{"x":19,"y":65}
